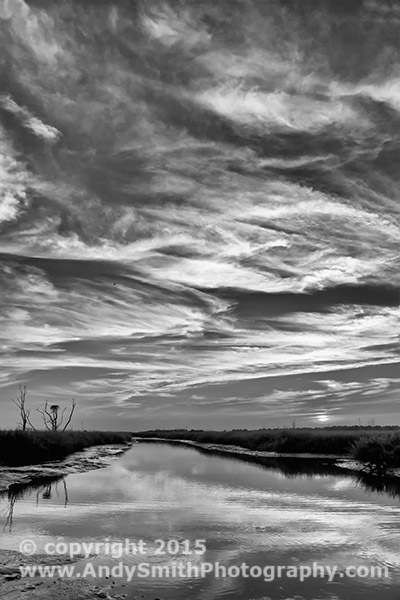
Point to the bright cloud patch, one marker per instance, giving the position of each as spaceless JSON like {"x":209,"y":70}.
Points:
{"x":199,"y":211}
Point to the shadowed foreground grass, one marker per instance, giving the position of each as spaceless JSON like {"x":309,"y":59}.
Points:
{"x":314,"y":441}
{"x":378,"y":454}
{"x":32,"y":447}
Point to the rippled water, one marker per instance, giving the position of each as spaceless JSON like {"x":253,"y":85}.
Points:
{"x":246,"y":512}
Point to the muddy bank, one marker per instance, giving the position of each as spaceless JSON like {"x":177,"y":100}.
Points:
{"x":15,"y":587}
{"x":95,"y":457}
{"x":239,"y":450}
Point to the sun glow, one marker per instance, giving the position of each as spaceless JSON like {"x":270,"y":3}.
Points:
{"x":323,"y":418}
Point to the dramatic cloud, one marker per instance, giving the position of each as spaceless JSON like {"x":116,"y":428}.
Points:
{"x":199,"y":219}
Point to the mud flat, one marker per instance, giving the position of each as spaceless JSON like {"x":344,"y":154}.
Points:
{"x":15,"y":587}
{"x":95,"y":457}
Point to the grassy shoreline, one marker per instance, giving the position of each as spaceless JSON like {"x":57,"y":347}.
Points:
{"x":20,"y":448}
{"x":378,"y":447}
{"x":294,"y":441}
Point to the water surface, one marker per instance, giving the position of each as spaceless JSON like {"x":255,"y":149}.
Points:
{"x":261,"y":515}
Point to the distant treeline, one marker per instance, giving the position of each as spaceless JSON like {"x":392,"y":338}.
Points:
{"x":32,"y":447}
{"x":327,"y":440}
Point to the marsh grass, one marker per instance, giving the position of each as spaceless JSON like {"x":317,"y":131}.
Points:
{"x":32,"y":447}
{"x":293,"y":441}
{"x":378,"y":454}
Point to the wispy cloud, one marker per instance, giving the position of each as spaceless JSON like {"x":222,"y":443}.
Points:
{"x":190,"y":203}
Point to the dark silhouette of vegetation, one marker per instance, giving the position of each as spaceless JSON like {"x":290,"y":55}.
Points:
{"x":53,"y":418}
{"x":378,"y":454}
{"x":338,"y":441}
{"x":32,"y":447}
{"x":20,"y":402}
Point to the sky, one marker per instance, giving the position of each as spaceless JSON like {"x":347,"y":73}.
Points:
{"x":199,"y":212}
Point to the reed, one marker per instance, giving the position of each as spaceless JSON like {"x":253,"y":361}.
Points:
{"x":32,"y":447}
{"x":314,"y":441}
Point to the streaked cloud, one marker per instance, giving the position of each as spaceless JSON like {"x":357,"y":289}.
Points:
{"x":190,"y":204}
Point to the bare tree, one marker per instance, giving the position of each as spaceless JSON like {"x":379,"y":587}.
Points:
{"x":20,"y":402}
{"x":53,"y":419}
